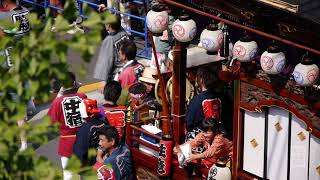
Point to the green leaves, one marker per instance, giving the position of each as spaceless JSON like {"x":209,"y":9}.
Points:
{"x":37,"y":58}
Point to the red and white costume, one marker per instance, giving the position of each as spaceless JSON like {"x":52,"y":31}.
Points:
{"x":130,"y":73}
{"x":66,"y":111}
{"x":116,"y":116}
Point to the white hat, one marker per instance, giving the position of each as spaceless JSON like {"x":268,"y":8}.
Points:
{"x":147,"y":75}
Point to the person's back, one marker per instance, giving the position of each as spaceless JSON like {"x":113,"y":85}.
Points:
{"x":113,"y":113}
{"x":87,"y":136}
{"x":65,"y":110}
{"x":204,"y":105}
{"x":10,"y":11}
{"x":130,"y":74}
{"x":16,"y":14}
{"x":108,"y":64}
{"x":207,"y":104}
{"x":116,"y":116}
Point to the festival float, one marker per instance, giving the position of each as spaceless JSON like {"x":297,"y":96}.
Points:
{"x":273,"y":66}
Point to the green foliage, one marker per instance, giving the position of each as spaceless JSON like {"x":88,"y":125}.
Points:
{"x":37,"y":58}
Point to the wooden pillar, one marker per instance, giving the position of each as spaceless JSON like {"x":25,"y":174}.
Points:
{"x":129,"y":134}
{"x":179,"y":90}
{"x":236,"y":130}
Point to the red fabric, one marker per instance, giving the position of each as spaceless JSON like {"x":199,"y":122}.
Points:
{"x":56,"y":114}
{"x":97,"y":165}
{"x":128,"y":75}
{"x":116,"y":117}
{"x":65,"y":147}
{"x":220,"y":147}
{"x":212,"y":108}
{"x":91,"y":106}
{"x":106,"y":172}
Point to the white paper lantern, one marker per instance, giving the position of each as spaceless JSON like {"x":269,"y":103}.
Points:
{"x":184,"y":29}
{"x":211,"y":38}
{"x":306,"y":73}
{"x":245,"y":49}
{"x":157,"y":20}
{"x":219,"y":171}
{"x":273,"y":60}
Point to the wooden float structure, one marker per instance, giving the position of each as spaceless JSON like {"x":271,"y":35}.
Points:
{"x":276,"y":132}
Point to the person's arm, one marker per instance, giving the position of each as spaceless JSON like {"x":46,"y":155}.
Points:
{"x":197,"y":141}
{"x":53,"y":112}
{"x":102,"y":7}
{"x":216,"y":146}
{"x":100,"y":154}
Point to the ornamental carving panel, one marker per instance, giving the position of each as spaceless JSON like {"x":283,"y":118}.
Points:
{"x":253,"y":98}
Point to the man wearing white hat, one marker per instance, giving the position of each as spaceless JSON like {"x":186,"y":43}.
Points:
{"x":148,"y":79}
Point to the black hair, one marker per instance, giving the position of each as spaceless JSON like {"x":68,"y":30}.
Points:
{"x":110,"y":133}
{"x":210,"y":124}
{"x":209,"y":76}
{"x":129,"y":48}
{"x":112,"y":91}
{"x":116,"y":25}
{"x":137,"y":88}
{"x":70,"y":80}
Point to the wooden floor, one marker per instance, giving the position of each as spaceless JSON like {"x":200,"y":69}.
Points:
{"x":143,"y":174}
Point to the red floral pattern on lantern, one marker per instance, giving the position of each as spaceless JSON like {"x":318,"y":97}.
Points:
{"x":267,"y":62}
{"x":312,"y":75}
{"x":160,"y":21}
{"x":239,"y":51}
{"x":178,"y":30}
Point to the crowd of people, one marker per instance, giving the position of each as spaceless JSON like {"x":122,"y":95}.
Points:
{"x":128,"y":88}
{"x":85,"y":126}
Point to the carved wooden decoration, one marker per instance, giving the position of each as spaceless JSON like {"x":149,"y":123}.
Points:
{"x":253,"y":98}
{"x":283,"y":22}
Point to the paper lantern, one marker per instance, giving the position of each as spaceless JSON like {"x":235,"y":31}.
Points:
{"x":219,"y":171}
{"x":184,"y":29}
{"x":157,"y":20}
{"x":211,"y":38}
{"x":306,"y":73}
{"x":245,"y":49}
{"x":273,"y":60}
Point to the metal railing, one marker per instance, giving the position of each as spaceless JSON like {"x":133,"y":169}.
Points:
{"x":144,"y":53}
